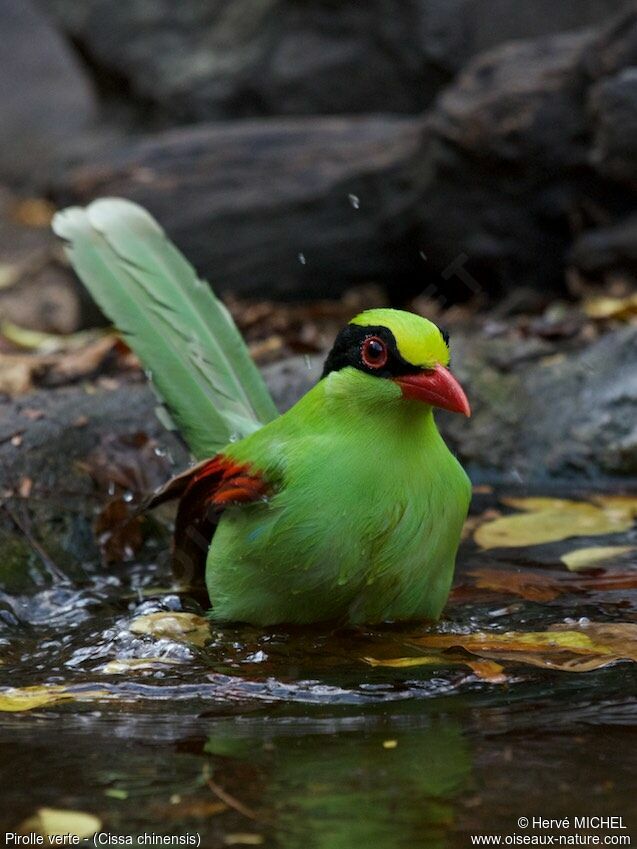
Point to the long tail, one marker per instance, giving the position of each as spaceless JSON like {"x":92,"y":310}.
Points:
{"x":183,"y":335}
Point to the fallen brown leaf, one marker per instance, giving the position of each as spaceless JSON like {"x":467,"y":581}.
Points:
{"x":529,"y":584}
{"x":118,"y":531}
{"x":21,"y":372}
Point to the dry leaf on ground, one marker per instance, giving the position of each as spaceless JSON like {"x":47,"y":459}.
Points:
{"x":21,"y":372}
{"x":594,"y":556}
{"x":553,"y":519}
{"x":530,"y":584}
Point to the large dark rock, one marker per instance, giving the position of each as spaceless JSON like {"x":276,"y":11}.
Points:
{"x":606,"y":251}
{"x":234,"y":58}
{"x":524,"y":166}
{"x":45,"y":98}
{"x":517,"y":162}
{"x":285,"y":206}
{"x":543,"y":413}
{"x":506,"y":160}
{"x":614,"y":105}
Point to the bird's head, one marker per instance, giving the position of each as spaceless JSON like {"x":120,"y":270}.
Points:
{"x":406,"y":355}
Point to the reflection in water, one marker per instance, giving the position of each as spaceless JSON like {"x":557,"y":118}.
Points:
{"x":376,"y":787}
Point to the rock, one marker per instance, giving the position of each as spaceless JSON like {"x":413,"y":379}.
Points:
{"x":528,"y":152}
{"x":503,"y":167}
{"x":614,"y":105}
{"x":65,"y":450}
{"x":607,"y":251}
{"x":45,"y":98}
{"x":570,"y":415}
{"x":532,"y":148}
{"x":222,"y":59}
{"x":289,"y":206}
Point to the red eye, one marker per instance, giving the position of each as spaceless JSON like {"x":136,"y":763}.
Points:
{"x":374,"y":352}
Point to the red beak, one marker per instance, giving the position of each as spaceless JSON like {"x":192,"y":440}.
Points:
{"x":435,"y":386}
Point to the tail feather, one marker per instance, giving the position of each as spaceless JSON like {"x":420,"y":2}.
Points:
{"x":183,"y":335}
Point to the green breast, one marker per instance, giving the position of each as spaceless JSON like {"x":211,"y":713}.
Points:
{"x":364,"y":525}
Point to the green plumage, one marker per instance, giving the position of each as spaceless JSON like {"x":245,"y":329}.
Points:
{"x":365,"y":503}
{"x":366,"y":519}
{"x":182,"y":333}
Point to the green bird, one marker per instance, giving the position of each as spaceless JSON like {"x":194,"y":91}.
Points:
{"x":347,"y":507}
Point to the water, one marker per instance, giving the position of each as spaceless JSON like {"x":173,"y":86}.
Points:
{"x":286,"y":737}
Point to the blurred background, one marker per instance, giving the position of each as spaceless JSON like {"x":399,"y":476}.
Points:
{"x":473,"y":160}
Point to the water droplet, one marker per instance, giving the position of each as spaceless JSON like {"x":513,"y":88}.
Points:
{"x":160,"y":452}
{"x":234,"y":437}
{"x":423,"y":255}
{"x":302,"y":258}
{"x":354,"y":201}
{"x":257,"y":657}
{"x":128,"y":496}
{"x":308,"y":362}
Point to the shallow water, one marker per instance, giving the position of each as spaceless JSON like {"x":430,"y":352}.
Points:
{"x":289,"y":738}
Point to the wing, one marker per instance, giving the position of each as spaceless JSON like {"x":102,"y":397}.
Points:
{"x":204,"y":491}
{"x":184,"y":336}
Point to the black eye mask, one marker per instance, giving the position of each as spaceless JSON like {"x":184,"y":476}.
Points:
{"x":347,"y":352}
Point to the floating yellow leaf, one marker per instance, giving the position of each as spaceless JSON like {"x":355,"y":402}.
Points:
{"x":50,"y":822}
{"x":488,"y":670}
{"x":13,"y":699}
{"x":590,"y":558}
{"x":553,"y":519}
{"x":183,"y":627}
{"x":128,"y":664}
{"x":562,"y":647}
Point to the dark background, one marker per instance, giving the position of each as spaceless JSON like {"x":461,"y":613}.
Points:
{"x":502,"y":130}
{"x":474,"y":160}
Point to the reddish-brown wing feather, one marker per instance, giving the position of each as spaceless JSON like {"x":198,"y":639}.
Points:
{"x":204,"y":491}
